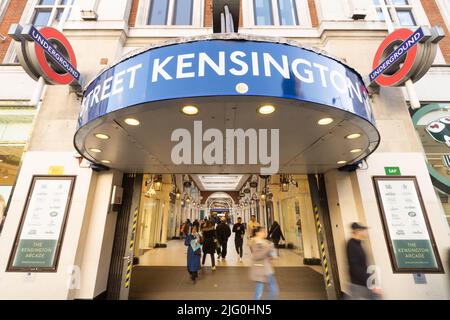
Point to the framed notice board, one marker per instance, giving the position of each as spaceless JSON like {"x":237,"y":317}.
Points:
{"x":409,"y":238}
{"x":39,"y":238}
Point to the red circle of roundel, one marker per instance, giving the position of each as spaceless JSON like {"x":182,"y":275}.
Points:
{"x":385,"y":80}
{"x":51,"y":33}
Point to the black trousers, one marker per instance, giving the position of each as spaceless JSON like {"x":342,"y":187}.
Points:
{"x":213,"y":260}
{"x":223,"y":250}
{"x":239,"y":243}
{"x":276,"y":243}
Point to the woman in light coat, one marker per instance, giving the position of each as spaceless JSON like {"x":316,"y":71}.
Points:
{"x":262,"y":271}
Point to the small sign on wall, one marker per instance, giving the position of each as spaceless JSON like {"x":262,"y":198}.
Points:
{"x":39,"y":238}
{"x":56,"y":170}
{"x":410,"y":240}
{"x":392,"y":171}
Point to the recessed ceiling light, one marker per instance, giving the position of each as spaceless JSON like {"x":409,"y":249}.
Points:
{"x":325,"y":121}
{"x":190,"y":110}
{"x":342,"y":162}
{"x":353,"y":136}
{"x":356,"y":150}
{"x":102,"y":136}
{"x":95,"y":150}
{"x":106,"y":161}
{"x":266,"y":109}
{"x":132,"y":122}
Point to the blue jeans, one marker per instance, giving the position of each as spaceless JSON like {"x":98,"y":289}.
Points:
{"x":273,"y":288}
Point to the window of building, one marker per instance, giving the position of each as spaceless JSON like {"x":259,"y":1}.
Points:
{"x":49,"y":12}
{"x":275,"y":12}
{"x":170,"y":12}
{"x":401,"y":12}
{"x":3,"y":4}
{"x":444,"y":6}
{"x":42,"y":13}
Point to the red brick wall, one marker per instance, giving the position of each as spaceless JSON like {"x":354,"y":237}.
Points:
{"x":313,"y":13}
{"x":133,"y":13}
{"x":12,"y":15}
{"x":208,"y":19}
{"x":434,"y":15}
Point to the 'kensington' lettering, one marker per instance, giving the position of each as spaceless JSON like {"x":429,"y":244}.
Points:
{"x":218,"y":64}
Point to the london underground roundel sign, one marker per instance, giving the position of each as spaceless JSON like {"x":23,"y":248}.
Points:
{"x":405,"y":55}
{"x":392,"y":79}
{"x":46,"y":53}
{"x":68,"y":64}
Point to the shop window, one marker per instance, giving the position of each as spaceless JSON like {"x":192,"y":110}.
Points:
{"x":170,"y":12}
{"x":275,"y":12}
{"x":49,"y":12}
{"x":15,"y":127}
{"x":401,"y":12}
{"x":432,"y":123}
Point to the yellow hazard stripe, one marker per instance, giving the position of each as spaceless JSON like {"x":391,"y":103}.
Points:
{"x":130,"y":263}
{"x":322,"y":247}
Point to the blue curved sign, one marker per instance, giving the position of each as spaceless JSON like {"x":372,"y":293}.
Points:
{"x":226,"y":68}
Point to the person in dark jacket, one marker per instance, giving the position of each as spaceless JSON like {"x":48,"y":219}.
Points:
{"x":357,"y":263}
{"x":186,"y":229}
{"x":196,"y":224}
{"x":239,"y":231}
{"x":223,"y":233}
{"x":209,"y":242}
{"x":194,"y":253}
{"x":275,"y":234}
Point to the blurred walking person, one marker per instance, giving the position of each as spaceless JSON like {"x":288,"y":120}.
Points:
{"x":223,"y":233}
{"x":357,"y":263}
{"x":262,"y":271}
{"x":252,"y":226}
{"x":275,"y":235}
{"x":196,"y":224}
{"x":209,"y":243}
{"x":194,"y":253}
{"x":239,"y":231}
{"x":186,"y":228}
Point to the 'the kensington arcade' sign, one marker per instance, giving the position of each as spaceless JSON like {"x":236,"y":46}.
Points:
{"x":410,"y":240}
{"x":38,"y":241}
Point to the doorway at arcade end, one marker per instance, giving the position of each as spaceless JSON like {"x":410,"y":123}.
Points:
{"x":161,"y":212}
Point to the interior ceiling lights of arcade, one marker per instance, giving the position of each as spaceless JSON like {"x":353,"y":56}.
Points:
{"x":312,"y":139}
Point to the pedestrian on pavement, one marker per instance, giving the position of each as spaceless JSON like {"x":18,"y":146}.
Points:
{"x":186,"y":229}
{"x":252,"y":226}
{"x":239,"y":231}
{"x":196,"y":224}
{"x":194,"y":253}
{"x":357,"y":263}
{"x":209,"y":243}
{"x":223,"y":233}
{"x":275,"y":235}
{"x":262,"y":271}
